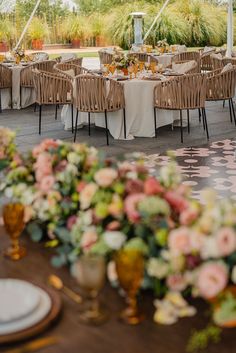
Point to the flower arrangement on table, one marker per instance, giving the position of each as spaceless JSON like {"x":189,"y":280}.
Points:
{"x":162,"y":46}
{"x":123,"y":62}
{"x":92,"y":205}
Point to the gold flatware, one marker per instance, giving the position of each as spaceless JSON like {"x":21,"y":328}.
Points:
{"x":35,"y":345}
{"x":57,"y":283}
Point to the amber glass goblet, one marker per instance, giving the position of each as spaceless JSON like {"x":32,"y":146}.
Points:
{"x":112,"y":69}
{"x":90,"y":272}
{"x":141,"y":65}
{"x":130,"y":270}
{"x":13,"y":217}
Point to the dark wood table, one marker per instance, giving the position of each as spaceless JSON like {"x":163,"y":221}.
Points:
{"x":114,"y":336}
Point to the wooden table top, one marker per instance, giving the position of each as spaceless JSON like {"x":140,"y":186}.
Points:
{"x":113,"y":336}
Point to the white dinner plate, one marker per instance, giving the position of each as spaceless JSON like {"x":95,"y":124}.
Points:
{"x":17,"y":299}
{"x":32,"y":319}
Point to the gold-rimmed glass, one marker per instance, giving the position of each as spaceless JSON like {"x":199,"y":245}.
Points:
{"x":112,"y":69}
{"x":13,"y":217}
{"x":135,"y":70}
{"x":153,"y":67}
{"x":90,"y":273}
{"x":130,"y":271}
{"x":131,"y":70}
{"x":141,"y":65}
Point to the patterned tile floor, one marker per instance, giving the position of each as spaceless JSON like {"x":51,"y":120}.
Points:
{"x":212,"y":166}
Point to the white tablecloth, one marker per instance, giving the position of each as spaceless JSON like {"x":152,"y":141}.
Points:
{"x":27,"y":94}
{"x":139,"y":113}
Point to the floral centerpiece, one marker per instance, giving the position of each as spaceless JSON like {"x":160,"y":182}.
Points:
{"x":122,"y":61}
{"x":7,"y":148}
{"x":162,"y":45}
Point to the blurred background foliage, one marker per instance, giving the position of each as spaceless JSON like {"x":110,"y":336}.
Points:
{"x":108,"y":22}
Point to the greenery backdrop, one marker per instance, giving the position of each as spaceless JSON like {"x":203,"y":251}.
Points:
{"x":101,"y":22}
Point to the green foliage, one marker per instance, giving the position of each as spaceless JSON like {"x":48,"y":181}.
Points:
{"x":38,"y":29}
{"x":201,"y":339}
{"x":7,"y":30}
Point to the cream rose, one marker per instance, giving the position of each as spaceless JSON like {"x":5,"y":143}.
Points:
{"x":105,"y":177}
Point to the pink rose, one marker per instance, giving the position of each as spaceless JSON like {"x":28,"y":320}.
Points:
{"x":87,"y":194}
{"x":71,"y":221}
{"x":176,"y":201}
{"x":212,"y":279}
{"x":46,"y":183}
{"x":43,"y":166}
{"x":188,"y":216}
{"x":152,"y":186}
{"x":81,"y":186}
{"x":114,"y":225}
{"x":179,"y":241}
{"x":88,"y":239}
{"x":134,"y":186}
{"x":226,"y":241}
{"x":176,"y":282}
{"x":131,"y":203}
{"x":105,"y":177}
{"x":45,"y":145}
{"x":61,"y":166}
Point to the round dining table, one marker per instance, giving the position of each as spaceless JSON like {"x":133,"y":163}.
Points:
{"x":139,"y":113}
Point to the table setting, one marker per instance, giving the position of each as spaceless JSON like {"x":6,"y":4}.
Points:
{"x":127,"y":251}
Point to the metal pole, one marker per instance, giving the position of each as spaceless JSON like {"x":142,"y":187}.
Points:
{"x":27,"y":24}
{"x":230,"y":36}
{"x":155,"y":19}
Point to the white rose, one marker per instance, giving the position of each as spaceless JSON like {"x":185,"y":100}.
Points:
{"x":73,"y":158}
{"x":209,"y":248}
{"x":114,"y":239}
{"x":157,"y":268}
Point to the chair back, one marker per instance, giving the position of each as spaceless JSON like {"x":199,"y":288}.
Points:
{"x":229,"y":61}
{"x":67,"y":56}
{"x":26,"y":76}
{"x":217,"y":62}
{"x":188,"y":67}
{"x":188,"y":56}
{"x":70,"y":70}
{"x":75,"y":61}
{"x":91,"y":92}
{"x":115,"y":98}
{"x":182,"y":93}
{"x":221,"y":85}
{"x":40,"y":56}
{"x":5,"y":76}
{"x":52,"y":88}
{"x":105,"y":57}
{"x":140,"y":56}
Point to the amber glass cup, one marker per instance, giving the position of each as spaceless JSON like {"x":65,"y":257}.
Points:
{"x":130,"y":271}
{"x":13,"y":217}
{"x":90,"y":273}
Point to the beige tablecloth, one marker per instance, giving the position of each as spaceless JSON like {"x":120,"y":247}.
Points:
{"x":27,"y":94}
{"x":139,"y":113}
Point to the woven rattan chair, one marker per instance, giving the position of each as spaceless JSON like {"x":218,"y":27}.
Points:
{"x":217,"y":63}
{"x":5,"y":81}
{"x":52,"y":89}
{"x":70,"y":70}
{"x":221,"y":87}
{"x":67,"y":56}
{"x":140,"y":56}
{"x":185,"y":92}
{"x":97,"y":95}
{"x":26,"y":74}
{"x":229,"y":61}
{"x":75,"y":61}
{"x":39,"y":56}
{"x":105,"y":57}
{"x":193,"y":70}
{"x":188,"y":56}
{"x":206,"y":60}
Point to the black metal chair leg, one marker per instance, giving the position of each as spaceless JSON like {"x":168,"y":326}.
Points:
{"x":56,"y":112}
{"x":188,"y":121}
{"x":35,"y":107}
{"x":40,"y":118}
{"x":230,"y":112}
{"x":223,"y":103}
{"x":199,"y":114}
{"x":124,"y":118}
{"x":72,"y":118}
{"x":205,"y":119}
{"x":107,"y":135}
{"x":89,"y":132}
{"x":233,"y":111}
{"x":0,"y":101}
{"x":181,"y":126}
{"x":155,"y":121}
{"x":76,"y":122}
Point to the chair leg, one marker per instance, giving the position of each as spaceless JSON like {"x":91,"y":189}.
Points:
{"x":233,"y":111}
{"x":200,"y":115}
{"x":181,"y":126}
{"x":205,"y":121}
{"x":72,"y":118}
{"x":35,"y":107}
{"x":223,"y":103}
{"x":40,"y":118}
{"x":230,"y":112}
{"x":0,"y":101}
{"x":89,"y":131}
{"x":76,"y":122}
{"x":56,"y":112}
{"x":188,"y":121}
{"x":107,"y":134}
{"x":155,"y":121}
{"x":124,"y":118}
